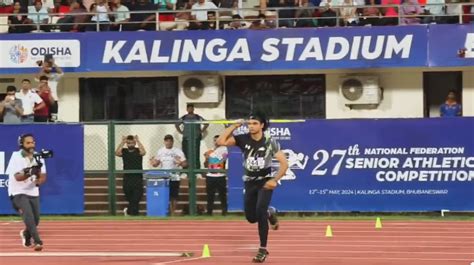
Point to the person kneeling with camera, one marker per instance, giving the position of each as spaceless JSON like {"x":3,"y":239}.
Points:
{"x":26,"y":172}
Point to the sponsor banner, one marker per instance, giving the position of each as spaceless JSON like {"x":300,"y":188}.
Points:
{"x":26,"y":53}
{"x":451,"y":47}
{"x":370,"y":165}
{"x":63,"y":192}
{"x":282,"y":49}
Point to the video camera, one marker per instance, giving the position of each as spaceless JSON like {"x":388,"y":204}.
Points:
{"x":48,"y":58}
{"x":43,"y":154}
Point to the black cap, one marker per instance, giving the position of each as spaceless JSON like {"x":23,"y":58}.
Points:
{"x":261,"y":117}
{"x":189,"y":105}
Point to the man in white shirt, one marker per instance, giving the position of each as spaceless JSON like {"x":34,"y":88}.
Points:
{"x":30,"y":100}
{"x":216,"y":159}
{"x":39,"y":15}
{"x":25,"y":175}
{"x":170,"y":157}
{"x":46,"y":69}
{"x":199,"y":14}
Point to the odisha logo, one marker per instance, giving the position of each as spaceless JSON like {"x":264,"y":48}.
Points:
{"x":18,"y":54}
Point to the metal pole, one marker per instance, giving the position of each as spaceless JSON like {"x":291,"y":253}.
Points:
{"x":191,"y":136}
{"x":111,"y":168}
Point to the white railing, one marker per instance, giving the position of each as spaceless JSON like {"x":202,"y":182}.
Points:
{"x":272,"y":16}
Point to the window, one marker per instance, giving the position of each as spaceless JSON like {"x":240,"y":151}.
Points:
{"x":284,"y":96}
{"x":436,"y":87}
{"x":128,"y":98}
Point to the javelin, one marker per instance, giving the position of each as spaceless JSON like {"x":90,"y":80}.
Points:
{"x":235,"y":121}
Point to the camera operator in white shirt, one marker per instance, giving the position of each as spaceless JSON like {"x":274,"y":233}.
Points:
{"x":26,"y":172}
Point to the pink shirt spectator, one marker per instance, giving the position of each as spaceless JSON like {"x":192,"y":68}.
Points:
{"x":391,"y":11}
{"x":408,"y":9}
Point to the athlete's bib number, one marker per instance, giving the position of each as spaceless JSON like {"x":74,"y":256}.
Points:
{"x":254,"y":163}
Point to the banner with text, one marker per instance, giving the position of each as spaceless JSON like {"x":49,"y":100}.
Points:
{"x":63,"y":192}
{"x":371,"y":165}
{"x":282,"y":49}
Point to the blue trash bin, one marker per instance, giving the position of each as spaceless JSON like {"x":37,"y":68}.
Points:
{"x":157,"y":193}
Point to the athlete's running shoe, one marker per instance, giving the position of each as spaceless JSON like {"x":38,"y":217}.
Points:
{"x":25,"y":239}
{"x":272,"y":218}
{"x":261,"y":256}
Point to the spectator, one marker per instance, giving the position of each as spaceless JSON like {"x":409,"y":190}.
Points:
{"x":453,"y":11}
{"x":371,"y":15}
{"x":122,"y":15}
{"x":30,"y":101}
{"x":451,"y":108}
{"x":199,"y":15}
{"x":182,"y":18}
{"x":192,"y":117}
{"x":18,"y":23}
{"x":471,"y":14}
{"x":436,"y":9}
{"x":42,"y":114}
{"x":410,"y":11}
{"x":390,"y":12}
{"x":72,"y":21}
{"x":169,"y":157}
{"x":132,"y":182}
{"x":142,"y":21}
{"x":101,"y":10}
{"x":227,"y":4}
{"x":237,"y":22}
{"x":286,"y":14}
{"x":328,"y":12}
{"x":468,"y":11}
{"x":60,"y":8}
{"x":39,"y":15}
{"x":260,"y":23}
{"x":48,"y":4}
{"x":349,"y":13}
{"x":304,"y":14}
{"x":212,"y":19}
{"x":166,"y":5}
{"x":46,"y":69}
{"x":6,"y":6}
{"x":11,"y":108}
{"x":216,"y":159}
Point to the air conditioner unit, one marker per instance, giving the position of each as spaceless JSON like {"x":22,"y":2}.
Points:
{"x":360,"y":90}
{"x":201,"y":88}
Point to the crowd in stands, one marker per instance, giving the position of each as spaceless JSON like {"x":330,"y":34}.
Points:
{"x":114,"y":15}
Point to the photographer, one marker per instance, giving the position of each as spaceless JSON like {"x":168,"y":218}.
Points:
{"x":46,"y":69}
{"x":26,"y":172}
{"x":44,"y":91}
{"x":11,"y":108}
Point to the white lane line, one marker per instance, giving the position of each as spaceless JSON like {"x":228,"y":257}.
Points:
{"x":178,"y":260}
{"x":92,"y":254}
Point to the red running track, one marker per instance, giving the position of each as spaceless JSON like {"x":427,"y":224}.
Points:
{"x":236,"y":242}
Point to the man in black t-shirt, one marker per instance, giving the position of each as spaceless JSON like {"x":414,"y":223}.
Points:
{"x":200,"y":129}
{"x":132,"y":182}
{"x":142,"y":21}
{"x":258,"y":151}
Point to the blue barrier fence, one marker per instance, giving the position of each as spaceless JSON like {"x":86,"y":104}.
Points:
{"x":63,"y":192}
{"x":371,"y":165}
